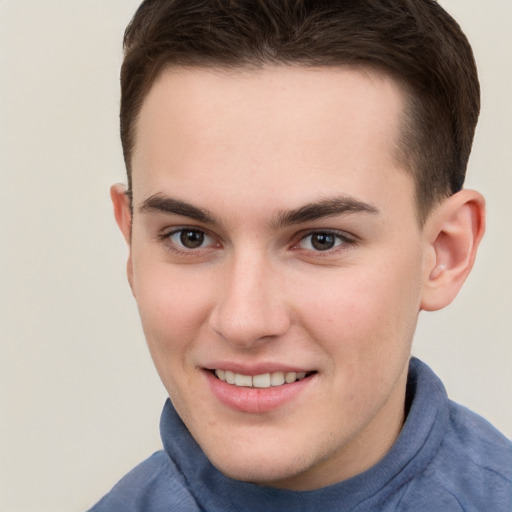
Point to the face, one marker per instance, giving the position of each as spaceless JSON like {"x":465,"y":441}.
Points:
{"x":278,"y":264}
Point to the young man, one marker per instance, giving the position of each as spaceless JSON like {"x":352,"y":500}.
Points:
{"x":294,"y":200}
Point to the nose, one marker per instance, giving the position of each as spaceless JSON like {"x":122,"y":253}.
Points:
{"x":250,"y":306}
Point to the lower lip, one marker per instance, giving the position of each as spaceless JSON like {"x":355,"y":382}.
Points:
{"x":255,"y":400}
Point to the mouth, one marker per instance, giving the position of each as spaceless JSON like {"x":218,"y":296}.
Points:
{"x":258,"y":391}
{"x":261,"y":381}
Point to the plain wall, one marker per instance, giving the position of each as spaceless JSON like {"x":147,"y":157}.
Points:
{"x":80,"y":401}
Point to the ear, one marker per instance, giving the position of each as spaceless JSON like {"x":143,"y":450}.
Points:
{"x":123,"y":216}
{"x":453,"y":232}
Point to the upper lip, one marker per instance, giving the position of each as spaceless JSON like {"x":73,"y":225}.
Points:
{"x":256,"y":369}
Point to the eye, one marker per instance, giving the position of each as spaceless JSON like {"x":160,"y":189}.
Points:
{"x":188,"y":238}
{"x":321,"y":241}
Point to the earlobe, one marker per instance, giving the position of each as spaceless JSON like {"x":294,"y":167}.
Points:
{"x":123,"y":216}
{"x":454,"y":231}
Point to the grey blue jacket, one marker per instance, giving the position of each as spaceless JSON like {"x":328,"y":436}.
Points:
{"x":446,"y":459}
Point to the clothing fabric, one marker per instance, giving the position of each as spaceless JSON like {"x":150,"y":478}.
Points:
{"x":446,"y":459}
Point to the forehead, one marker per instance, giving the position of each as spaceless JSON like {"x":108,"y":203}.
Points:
{"x":313,"y":127}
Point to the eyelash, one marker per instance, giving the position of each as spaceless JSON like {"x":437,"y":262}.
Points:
{"x":174,"y":248}
{"x":343,"y":241}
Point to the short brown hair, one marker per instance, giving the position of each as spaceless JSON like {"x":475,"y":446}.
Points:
{"x":416,"y":42}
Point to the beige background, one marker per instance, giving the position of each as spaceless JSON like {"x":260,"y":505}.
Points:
{"x":79,"y":399}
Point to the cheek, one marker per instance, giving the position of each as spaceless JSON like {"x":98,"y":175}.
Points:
{"x":365,"y":314}
{"x":173,"y":306}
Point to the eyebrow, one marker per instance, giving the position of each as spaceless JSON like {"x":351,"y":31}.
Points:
{"x":165,"y":204}
{"x":328,"y":207}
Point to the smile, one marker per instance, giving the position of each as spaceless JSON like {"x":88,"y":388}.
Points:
{"x":256,"y":392}
{"x":264,"y":380}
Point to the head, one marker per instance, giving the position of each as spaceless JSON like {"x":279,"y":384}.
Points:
{"x":415,"y":42}
{"x":294,"y":202}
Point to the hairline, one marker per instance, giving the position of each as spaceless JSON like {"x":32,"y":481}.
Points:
{"x":406,"y":124}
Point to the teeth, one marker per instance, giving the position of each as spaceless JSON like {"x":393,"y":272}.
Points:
{"x":277,"y":379}
{"x":290,"y":377}
{"x":261,"y":381}
{"x":265,"y":380}
{"x":243,"y":380}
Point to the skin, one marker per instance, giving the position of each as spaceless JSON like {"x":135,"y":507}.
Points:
{"x":246,"y":148}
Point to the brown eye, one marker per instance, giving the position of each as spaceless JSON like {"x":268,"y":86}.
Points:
{"x":321,"y":241}
{"x":191,"y":239}
{"x":190,"y":242}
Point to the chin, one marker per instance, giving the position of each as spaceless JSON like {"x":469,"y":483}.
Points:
{"x":272,"y":468}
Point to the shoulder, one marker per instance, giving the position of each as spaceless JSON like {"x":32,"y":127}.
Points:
{"x":471,"y":470}
{"x":152,"y":486}
{"x":473,"y":445}
{"x":461,"y":463}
